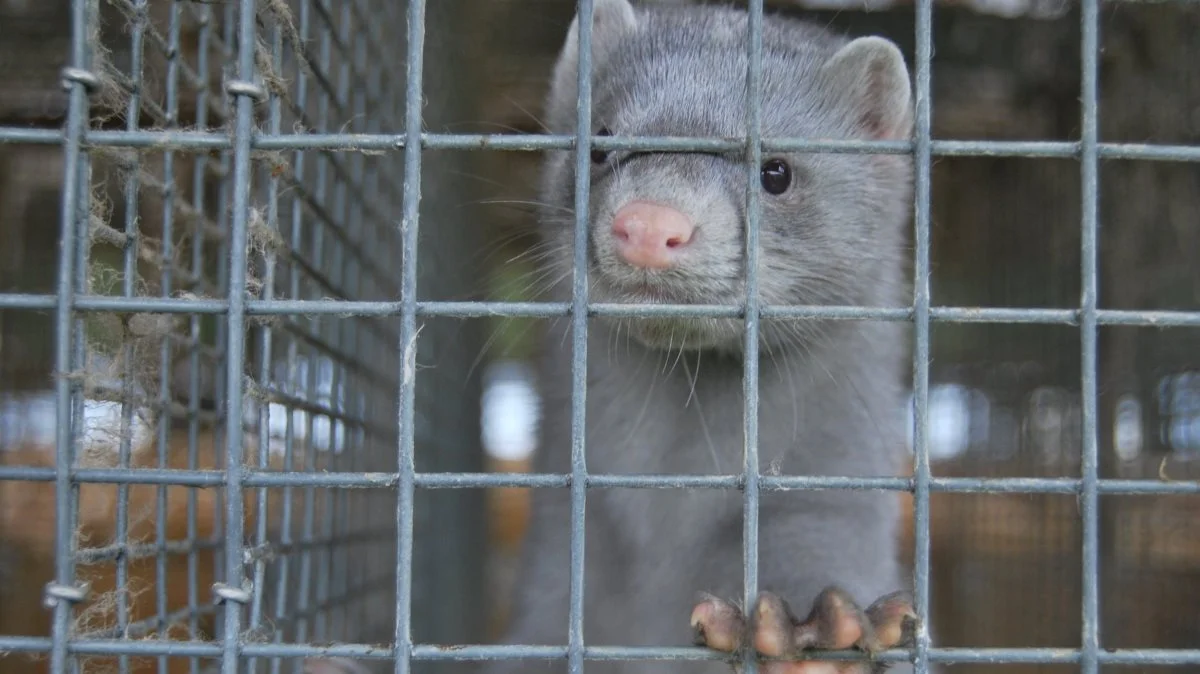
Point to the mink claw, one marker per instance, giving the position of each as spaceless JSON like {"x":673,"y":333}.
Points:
{"x":835,"y":622}
{"x":894,"y":620}
{"x":774,"y":626}
{"x":717,"y":624}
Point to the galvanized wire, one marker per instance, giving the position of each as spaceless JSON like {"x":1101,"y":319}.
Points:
{"x":447,"y":480}
{"x":579,"y":299}
{"x":349,"y":142}
{"x":1088,"y":329}
{"x":921,"y":302}
{"x":349,"y":220}
{"x":477,"y":309}
{"x":76,"y":174}
{"x":407,"y":345}
{"x":473,"y":653}
{"x":750,"y":465}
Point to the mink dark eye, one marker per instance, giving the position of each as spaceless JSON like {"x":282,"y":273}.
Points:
{"x":600,"y":156}
{"x":776,"y":176}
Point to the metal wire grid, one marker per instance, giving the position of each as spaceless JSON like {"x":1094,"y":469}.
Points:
{"x":407,"y":480}
{"x":331,"y":218}
{"x":337,"y":209}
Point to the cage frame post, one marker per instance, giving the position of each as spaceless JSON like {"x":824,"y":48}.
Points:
{"x":79,"y":82}
{"x":1088,"y":329}
{"x":413,"y":102}
{"x":750,"y":344}
{"x":922,"y":276}
{"x":585,"y":11}
{"x":234,"y":592}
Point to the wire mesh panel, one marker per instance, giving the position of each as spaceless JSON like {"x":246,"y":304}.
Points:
{"x":264,"y":403}
{"x":1051,"y":574}
{"x":214,"y":389}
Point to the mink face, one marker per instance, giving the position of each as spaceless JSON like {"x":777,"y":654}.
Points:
{"x":669,"y":227}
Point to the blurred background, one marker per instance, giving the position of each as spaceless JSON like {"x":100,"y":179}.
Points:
{"x":155,"y":222}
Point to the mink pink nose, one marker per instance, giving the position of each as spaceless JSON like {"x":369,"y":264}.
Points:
{"x":651,"y":236}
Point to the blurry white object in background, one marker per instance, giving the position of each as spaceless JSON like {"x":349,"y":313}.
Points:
{"x":510,"y":411}
{"x":28,"y":419}
{"x":1127,"y":428}
{"x":1178,"y":398}
{"x":325,"y":394}
{"x":954,"y":413}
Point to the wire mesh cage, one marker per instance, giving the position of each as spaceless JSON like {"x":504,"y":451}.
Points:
{"x":259,"y":313}
{"x":198,"y":427}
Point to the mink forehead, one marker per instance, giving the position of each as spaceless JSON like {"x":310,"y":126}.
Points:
{"x":701,"y":92}
{"x":676,"y":27}
{"x":684,"y":73}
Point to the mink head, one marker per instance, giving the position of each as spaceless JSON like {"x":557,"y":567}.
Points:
{"x":670,"y":227}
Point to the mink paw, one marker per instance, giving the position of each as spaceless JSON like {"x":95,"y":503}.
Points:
{"x":835,"y":622}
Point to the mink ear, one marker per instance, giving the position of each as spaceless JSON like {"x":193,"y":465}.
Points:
{"x":611,"y":21}
{"x":869,"y":76}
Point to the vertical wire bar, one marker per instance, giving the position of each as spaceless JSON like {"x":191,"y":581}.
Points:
{"x":172,"y":111}
{"x":324,"y":554}
{"x":1089,"y":169}
{"x":230,"y":26}
{"x":289,"y":458}
{"x":383,"y":109}
{"x":312,"y":589}
{"x":395,"y":101}
{"x":132,"y":243}
{"x":83,"y":248}
{"x":414,"y":98}
{"x":579,"y":299}
{"x":200,"y":171}
{"x":329,"y":197}
{"x":235,"y":576}
{"x":164,"y":375}
{"x":79,"y":346}
{"x":335,"y":585}
{"x":65,"y":492}
{"x":365,"y":97}
{"x":406,"y":561}
{"x":265,"y":356}
{"x":294,"y":287}
{"x":750,"y":464}
{"x":349,"y":280}
{"x":921,"y":300}
{"x":314,"y":558}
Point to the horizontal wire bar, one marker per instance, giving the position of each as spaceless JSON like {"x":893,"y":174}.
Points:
{"x":151,"y":624}
{"x":350,"y":309}
{"x":370,"y":480}
{"x":439,"y":652}
{"x":202,"y":140}
{"x":135,"y":551}
{"x":180,"y":547}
